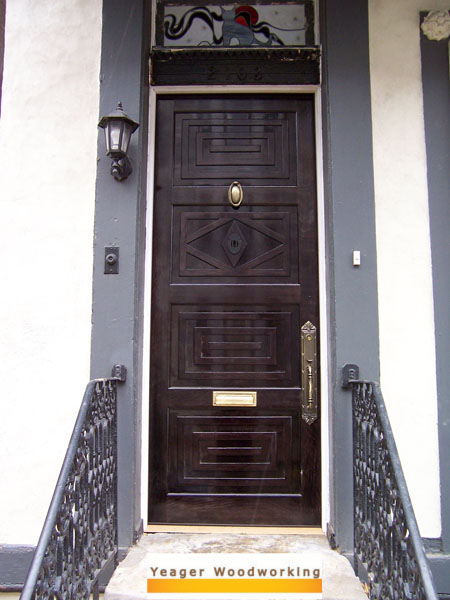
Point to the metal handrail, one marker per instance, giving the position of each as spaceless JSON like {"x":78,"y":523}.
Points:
{"x":79,"y":536}
{"x":389,"y":550}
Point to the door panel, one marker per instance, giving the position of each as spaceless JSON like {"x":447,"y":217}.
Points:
{"x":207,"y":144}
{"x":253,"y":245}
{"x":231,"y":289}
{"x":231,"y":452}
{"x":232,"y":348}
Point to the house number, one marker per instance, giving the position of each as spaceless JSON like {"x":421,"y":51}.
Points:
{"x":242,"y":73}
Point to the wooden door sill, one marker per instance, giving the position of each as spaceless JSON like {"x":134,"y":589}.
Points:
{"x":150,"y":528}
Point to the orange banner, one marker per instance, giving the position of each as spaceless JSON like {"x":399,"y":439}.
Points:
{"x":233,"y":586}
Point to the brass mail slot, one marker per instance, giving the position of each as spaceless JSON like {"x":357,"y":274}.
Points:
{"x":234,"y":398}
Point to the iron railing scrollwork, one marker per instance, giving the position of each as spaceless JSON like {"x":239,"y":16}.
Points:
{"x":79,"y":537}
{"x":388,"y":546}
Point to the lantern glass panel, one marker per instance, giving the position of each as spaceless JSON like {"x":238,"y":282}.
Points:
{"x":127,"y":130}
{"x":115,"y":135}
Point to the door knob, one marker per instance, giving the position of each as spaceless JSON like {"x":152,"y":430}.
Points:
{"x":235,"y":194}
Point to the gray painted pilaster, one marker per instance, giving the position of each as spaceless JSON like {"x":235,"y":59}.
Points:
{"x":436,"y":93}
{"x":350,"y":222}
{"x":120,"y":221}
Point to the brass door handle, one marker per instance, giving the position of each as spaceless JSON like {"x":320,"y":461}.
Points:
{"x":309,"y":373}
{"x":235,"y":194}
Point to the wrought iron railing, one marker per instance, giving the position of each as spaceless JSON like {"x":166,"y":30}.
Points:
{"x":389,"y":552}
{"x":79,"y":538}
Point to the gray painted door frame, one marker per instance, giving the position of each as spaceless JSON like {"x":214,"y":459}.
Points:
{"x":436,"y":88}
{"x":120,"y":221}
{"x":350,"y":218}
{"x":117,"y":331}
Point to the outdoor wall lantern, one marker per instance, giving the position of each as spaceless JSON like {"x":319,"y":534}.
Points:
{"x":118,"y":131}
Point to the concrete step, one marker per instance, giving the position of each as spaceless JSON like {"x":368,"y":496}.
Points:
{"x":129,"y":579}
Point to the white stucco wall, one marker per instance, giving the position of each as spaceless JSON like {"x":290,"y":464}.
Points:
{"x":407,"y":349}
{"x":48,"y":136}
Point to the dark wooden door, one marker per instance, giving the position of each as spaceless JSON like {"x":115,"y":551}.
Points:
{"x":231,"y":289}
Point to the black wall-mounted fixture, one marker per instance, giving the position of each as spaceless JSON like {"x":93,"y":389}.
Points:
{"x":119,"y":128}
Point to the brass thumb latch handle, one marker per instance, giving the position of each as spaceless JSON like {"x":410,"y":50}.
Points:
{"x":309,"y":372}
{"x":235,"y":194}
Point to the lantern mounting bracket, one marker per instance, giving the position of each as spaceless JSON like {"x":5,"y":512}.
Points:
{"x":121,"y":168}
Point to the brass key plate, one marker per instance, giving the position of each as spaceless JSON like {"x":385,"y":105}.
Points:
{"x":234,"y":398}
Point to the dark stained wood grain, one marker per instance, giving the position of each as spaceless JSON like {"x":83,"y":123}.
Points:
{"x":231,"y":289}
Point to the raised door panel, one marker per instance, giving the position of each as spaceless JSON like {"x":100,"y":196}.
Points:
{"x":254,"y":147}
{"x":225,"y":453}
{"x":234,"y":347}
{"x":257,"y":246}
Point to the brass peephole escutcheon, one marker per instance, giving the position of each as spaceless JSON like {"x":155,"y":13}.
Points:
{"x":235,"y":194}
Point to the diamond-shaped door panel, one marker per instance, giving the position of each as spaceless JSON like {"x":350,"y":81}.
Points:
{"x":219,"y":244}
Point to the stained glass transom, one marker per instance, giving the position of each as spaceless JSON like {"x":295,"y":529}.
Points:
{"x":215,"y":24}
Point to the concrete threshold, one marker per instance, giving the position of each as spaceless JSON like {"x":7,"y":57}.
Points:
{"x":130,"y":577}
